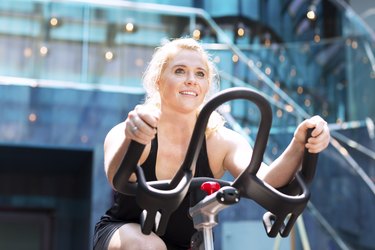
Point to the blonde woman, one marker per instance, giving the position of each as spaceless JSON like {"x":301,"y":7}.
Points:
{"x":179,"y":79}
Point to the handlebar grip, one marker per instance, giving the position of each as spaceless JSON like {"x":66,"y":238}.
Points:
{"x":127,"y":167}
{"x":276,"y":223}
{"x":309,"y":162}
{"x":307,"y":172}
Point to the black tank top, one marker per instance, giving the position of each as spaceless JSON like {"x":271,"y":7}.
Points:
{"x":180,"y":226}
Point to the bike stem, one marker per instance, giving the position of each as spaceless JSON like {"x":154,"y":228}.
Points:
{"x":205,"y":213}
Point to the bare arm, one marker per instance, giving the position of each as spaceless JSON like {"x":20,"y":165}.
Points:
{"x":283,"y":169}
{"x":117,"y":141}
{"x":115,"y":147}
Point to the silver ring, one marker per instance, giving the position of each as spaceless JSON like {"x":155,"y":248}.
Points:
{"x":135,"y":128}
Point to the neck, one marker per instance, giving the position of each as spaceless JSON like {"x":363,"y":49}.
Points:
{"x":178,"y":126}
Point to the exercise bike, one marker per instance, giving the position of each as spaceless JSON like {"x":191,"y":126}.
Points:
{"x":159,"y":199}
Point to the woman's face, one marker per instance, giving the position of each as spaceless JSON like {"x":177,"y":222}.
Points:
{"x":184,"y":83}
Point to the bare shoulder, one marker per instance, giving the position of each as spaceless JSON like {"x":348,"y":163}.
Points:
{"x":220,"y":147}
{"x":226,"y":137}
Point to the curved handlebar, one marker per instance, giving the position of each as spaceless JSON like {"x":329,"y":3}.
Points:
{"x":273,"y":222}
{"x":165,"y":196}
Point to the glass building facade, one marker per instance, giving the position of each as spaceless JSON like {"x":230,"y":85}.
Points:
{"x":70,"y":70}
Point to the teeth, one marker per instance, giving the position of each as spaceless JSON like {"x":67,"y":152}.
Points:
{"x":188,"y":93}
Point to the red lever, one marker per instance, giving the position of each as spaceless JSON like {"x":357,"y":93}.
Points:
{"x":210,"y":187}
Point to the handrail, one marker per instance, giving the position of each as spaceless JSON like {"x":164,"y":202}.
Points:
{"x":240,"y":83}
{"x":331,"y":231}
{"x":32,"y":82}
{"x":354,"y":145}
{"x":352,"y":15}
{"x":354,"y":165}
{"x":139,"y":6}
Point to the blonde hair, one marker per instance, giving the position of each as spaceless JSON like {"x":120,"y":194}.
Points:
{"x":157,"y":65}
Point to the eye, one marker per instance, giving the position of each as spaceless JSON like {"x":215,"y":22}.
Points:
{"x":200,"y":74}
{"x":179,"y":71}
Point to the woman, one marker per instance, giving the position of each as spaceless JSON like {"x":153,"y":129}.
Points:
{"x":178,"y":80}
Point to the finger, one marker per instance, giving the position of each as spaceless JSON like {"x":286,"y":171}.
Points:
{"x":318,"y":128}
{"x":130,"y":128}
{"x":144,"y":127}
{"x":316,"y":148}
{"x":316,"y":136}
{"x":317,"y":144}
{"x":149,"y":115}
{"x":134,"y":131}
{"x":141,"y":120}
{"x":139,"y":136}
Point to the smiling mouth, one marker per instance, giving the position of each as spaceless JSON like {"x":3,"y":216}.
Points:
{"x":189,"y":93}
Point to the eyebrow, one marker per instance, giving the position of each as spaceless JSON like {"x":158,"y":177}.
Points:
{"x":184,"y":66}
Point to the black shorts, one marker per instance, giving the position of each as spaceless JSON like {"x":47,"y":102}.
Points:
{"x":104,"y":232}
{"x":105,"y":229}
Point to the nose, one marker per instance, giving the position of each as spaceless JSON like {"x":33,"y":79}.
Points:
{"x":190,"y":79}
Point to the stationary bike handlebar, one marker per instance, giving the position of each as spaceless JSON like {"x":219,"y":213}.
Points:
{"x":165,"y":196}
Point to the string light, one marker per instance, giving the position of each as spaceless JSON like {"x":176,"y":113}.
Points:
{"x":311,"y":13}
{"x":54,"y":22}
{"x":27,"y":52}
{"x":129,"y":27}
{"x":354,"y":45}
{"x":217,"y":59}
{"x":250,"y":63}
{"x":317,"y":38}
{"x":289,"y":108}
{"x":281,"y":58}
{"x":235,"y":58}
{"x":279,"y":113}
{"x":43,"y":50}
{"x":109,"y":55}
{"x":277,"y":84}
{"x":267,"y":42}
{"x":139,"y":62}
{"x":240,"y":32}
{"x":300,"y":90}
{"x":32,"y":117}
{"x":240,"y":29}
{"x":293,"y":72}
{"x":307,"y":102}
{"x":196,"y":34}
{"x":268,"y":71}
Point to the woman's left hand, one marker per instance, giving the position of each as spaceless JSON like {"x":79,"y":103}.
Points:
{"x":320,"y":136}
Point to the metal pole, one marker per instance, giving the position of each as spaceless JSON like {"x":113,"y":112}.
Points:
{"x":208,"y":239}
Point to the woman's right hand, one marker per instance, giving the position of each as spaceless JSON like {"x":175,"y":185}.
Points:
{"x":141,"y":123}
